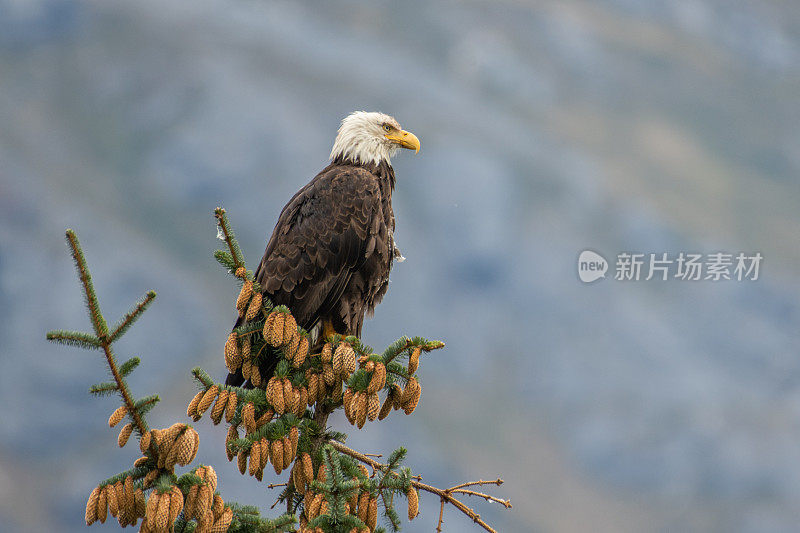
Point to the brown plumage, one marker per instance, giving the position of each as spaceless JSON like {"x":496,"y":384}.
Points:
{"x":332,"y":249}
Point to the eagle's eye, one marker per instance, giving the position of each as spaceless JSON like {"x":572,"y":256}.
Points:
{"x":387,"y":127}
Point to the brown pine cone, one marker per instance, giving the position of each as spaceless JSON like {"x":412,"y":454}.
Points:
{"x":219,"y":407}
{"x":288,"y":394}
{"x":328,"y":374}
{"x":191,"y":410}
{"x":232,"y":352}
{"x":413,"y":503}
{"x":347,"y":402}
{"x":294,"y":438}
{"x":361,"y":409}
{"x":207,"y":399}
{"x":230,"y":438}
{"x":264,"y":453}
{"x":289,"y":329}
{"x":124,"y":434}
{"x":276,"y":455}
{"x":248,"y":417}
{"x":244,"y":296}
{"x":175,"y":504}
{"x":268,"y":325}
{"x":223,"y":522}
{"x":363,"y":507}
{"x":288,"y":456}
{"x":386,"y":407}
{"x":91,"y":506}
{"x":373,"y":406}
{"x":187,"y":445}
{"x":255,"y":457}
{"x":372,"y":513}
{"x":276,"y":334}
{"x":378,"y":379}
{"x":301,"y":353}
{"x":327,"y":353}
{"x":337,"y":362}
{"x":230,"y":407}
{"x":151,"y":512}
{"x":118,"y":414}
{"x":412,"y":402}
{"x":242,"y":461}
{"x":413,"y":360}
{"x":254,"y":308}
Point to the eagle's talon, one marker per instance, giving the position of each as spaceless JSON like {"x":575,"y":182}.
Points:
{"x":328,"y":331}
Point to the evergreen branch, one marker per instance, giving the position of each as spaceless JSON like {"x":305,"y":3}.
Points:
{"x":133,"y":412}
{"x":433,"y":345}
{"x":249,"y":328}
{"x":101,"y":329}
{"x":136,"y":473}
{"x":98,"y":322}
{"x":404,"y":343}
{"x":128,"y":366}
{"x":127,"y":321}
{"x":397,"y":369}
{"x":75,"y":338}
{"x":395,"y":349}
{"x":446,"y":495}
{"x":226,"y":260}
{"x":101,"y":389}
{"x":246,"y":518}
{"x":143,"y":405}
{"x":202,"y":376}
{"x":229,"y":237}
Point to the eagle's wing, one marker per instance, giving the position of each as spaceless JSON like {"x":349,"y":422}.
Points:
{"x":323,"y":235}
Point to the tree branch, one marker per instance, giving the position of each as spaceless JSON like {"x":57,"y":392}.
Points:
{"x":132,"y":315}
{"x":228,"y":237}
{"x":446,"y":495}
{"x":101,"y":329}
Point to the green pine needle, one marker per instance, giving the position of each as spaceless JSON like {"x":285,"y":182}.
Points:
{"x":104,"y":389}
{"x":90,"y":298}
{"x":229,"y":237}
{"x":226,"y":260}
{"x":396,"y":458}
{"x":392,"y":517}
{"x":202,"y":377}
{"x":128,"y":366}
{"x":250,"y":327}
{"x":75,"y":338}
{"x":131,"y":316}
{"x":145,"y":404}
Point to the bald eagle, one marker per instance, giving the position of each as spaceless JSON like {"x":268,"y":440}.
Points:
{"x":331,"y":252}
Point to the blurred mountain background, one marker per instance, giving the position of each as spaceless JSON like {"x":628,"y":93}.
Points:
{"x":547,"y":127}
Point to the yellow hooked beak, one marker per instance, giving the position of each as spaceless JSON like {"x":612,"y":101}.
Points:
{"x":404,"y":138}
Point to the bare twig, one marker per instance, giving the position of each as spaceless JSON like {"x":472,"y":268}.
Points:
{"x":441,"y":516}
{"x":487,"y":497}
{"x":446,"y":495}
